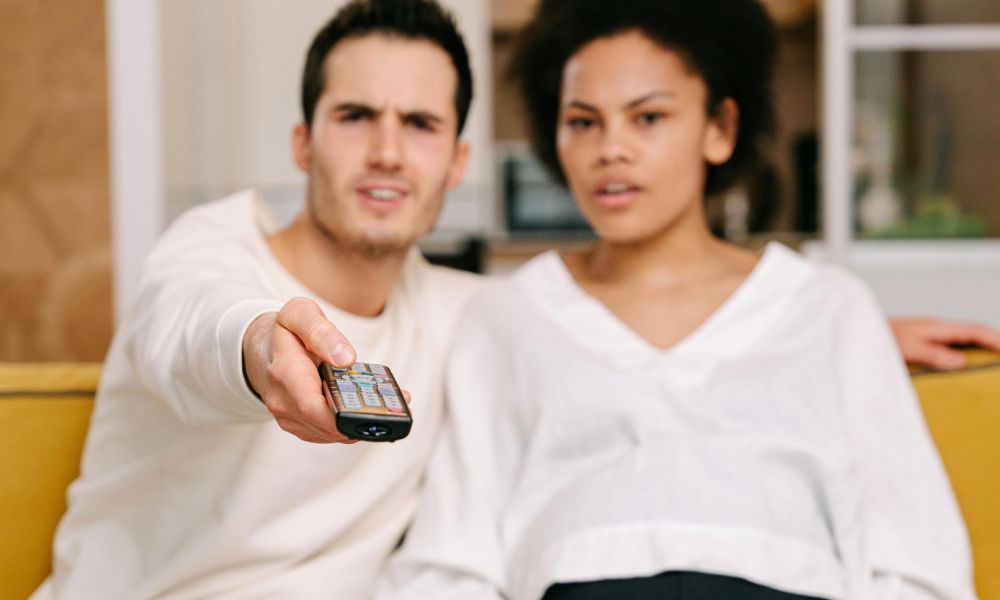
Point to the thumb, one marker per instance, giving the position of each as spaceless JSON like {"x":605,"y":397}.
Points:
{"x":305,"y":319}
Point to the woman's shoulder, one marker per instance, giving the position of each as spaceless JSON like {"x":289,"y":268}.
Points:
{"x":817,"y":281}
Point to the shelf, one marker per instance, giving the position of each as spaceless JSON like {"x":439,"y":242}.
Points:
{"x":925,"y":37}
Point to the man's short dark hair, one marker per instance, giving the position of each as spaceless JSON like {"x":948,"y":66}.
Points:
{"x":407,"y":19}
{"x":729,"y":43}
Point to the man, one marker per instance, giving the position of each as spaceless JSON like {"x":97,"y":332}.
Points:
{"x":191,"y":485}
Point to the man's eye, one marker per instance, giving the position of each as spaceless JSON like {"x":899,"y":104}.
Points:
{"x":420,"y":123}
{"x":580,"y":123}
{"x":353,"y":116}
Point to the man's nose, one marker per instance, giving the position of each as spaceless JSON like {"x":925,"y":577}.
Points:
{"x":386,"y":151}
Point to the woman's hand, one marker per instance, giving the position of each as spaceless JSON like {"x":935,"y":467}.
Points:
{"x":929,"y":342}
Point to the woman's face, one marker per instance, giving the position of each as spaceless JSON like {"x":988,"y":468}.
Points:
{"x":634,"y":137}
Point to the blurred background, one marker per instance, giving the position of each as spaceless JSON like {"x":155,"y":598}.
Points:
{"x":117,"y":115}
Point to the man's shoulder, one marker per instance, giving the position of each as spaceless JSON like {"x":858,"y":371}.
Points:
{"x":213,"y":230}
{"x":236,"y":214}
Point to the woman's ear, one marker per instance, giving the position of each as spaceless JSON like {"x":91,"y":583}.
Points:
{"x":723,"y":129}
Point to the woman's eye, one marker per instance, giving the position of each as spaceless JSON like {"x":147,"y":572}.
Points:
{"x":649,"y":118}
{"x":580,"y":123}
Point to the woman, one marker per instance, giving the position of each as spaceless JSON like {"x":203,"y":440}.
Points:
{"x":665,"y":415}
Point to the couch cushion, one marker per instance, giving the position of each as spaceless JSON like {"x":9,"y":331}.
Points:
{"x":44,"y":412}
{"x":963,"y":412}
{"x":45,"y":408}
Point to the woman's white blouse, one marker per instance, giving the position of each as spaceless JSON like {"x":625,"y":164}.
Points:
{"x":780,"y":442}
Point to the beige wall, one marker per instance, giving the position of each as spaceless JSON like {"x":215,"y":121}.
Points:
{"x":55,"y":281}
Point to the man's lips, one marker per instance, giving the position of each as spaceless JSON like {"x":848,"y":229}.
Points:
{"x":382,"y":195}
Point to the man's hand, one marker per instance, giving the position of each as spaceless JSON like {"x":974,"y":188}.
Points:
{"x":928,"y":342}
{"x":280,"y":354}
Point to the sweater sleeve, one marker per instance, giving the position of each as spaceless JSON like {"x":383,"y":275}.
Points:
{"x":913,"y":538}
{"x":184,"y":333}
{"x":454,"y":549}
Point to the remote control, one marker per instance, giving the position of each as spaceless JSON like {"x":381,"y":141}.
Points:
{"x":367,"y":402}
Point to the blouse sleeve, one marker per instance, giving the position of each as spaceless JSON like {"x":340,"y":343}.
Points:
{"x":454,"y":548}
{"x":913,"y":541}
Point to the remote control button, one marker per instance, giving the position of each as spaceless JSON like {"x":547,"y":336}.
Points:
{"x":346,"y":387}
{"x":371,"y":399}
{"x":387,"y":390}
{"x":351,"y":401}
{"x":376,"y":369}
{"x":392,"y":403}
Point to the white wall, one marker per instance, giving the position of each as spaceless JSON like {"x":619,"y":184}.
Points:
{"x":955,"y":280}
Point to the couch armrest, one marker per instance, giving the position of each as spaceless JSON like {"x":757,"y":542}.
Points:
{"x":44,"y":413}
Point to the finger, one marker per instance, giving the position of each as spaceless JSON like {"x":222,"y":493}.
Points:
{"x":294,"y":386}
{"x":935,"y":356}
{"x":406,"y":396}
{"x":306,"y":320}
{"x":968,"y":334}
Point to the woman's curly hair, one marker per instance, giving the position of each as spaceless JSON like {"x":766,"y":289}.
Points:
{"x":730,"y":43}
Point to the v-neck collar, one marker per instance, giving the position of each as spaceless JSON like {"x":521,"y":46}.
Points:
{"x":593,"y":325}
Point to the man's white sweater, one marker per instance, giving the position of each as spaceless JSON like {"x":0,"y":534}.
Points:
{"x":189,"y":489}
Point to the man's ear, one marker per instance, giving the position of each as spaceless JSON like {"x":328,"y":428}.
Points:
{"x":459,"y":163}
{"x":300,"y":147}
{"x":723,"y":129}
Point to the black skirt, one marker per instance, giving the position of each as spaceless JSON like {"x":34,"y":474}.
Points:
{"x":672,"y":585}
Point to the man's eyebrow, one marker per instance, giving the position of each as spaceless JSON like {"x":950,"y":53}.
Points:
{"x":425,"y":115}
{"x":355,"y":107}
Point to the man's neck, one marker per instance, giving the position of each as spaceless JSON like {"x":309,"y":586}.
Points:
{"x":352,"y":281}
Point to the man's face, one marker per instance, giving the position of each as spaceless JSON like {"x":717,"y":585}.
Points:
{"x":383,"y":148}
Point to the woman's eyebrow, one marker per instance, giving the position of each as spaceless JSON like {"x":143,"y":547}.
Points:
{"x":630,"y":104}
{"x":648,"y":97}
{"x":581,"y":105}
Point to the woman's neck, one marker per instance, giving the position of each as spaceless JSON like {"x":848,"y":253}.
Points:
{"x":679,"y":255}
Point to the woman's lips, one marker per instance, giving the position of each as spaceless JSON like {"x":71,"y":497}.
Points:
{"x":617,"y":194}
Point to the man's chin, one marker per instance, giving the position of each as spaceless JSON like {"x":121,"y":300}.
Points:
{"x":382,"y":246}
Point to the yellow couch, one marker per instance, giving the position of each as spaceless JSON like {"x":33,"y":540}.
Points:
{"x":44,"y":411}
